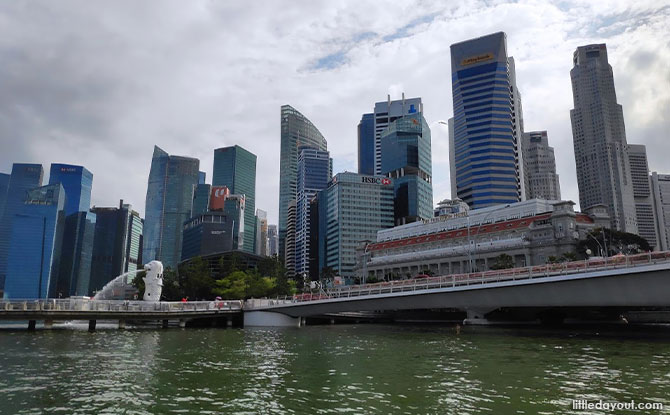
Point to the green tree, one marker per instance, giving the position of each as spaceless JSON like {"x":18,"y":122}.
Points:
{"x":232,"y":287}
{"x":614,"y":241}
{"x":259,"y":286}
{"x":138,"y":282}
{"x":171,"y":286}
{"x":503,"y":261}
{"x":569,"y":256}
{"x":551,"y":259}
{"x":195,"y":279}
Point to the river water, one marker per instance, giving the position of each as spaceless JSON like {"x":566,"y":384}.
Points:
{"x":328,"y":369}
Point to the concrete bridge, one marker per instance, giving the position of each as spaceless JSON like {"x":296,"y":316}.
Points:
{"x":619,"y":282}
{"x":50,"y":310}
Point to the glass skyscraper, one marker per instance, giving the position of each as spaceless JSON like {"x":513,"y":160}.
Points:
{"x":24,"y":177}
{"x":4,"y":185}
{"x":406,"y":158}
{"x":35,"y":244}
{"x":77,"y":182}
{"x":201,"y":193}
{"x":385,"y":113}
{"x":366,"y":144}
{"x":485,"y":132}
{"x":235,"y":168}
{"x":75,"y":264}
{"x":116,"y":244}
{"x":314,"y":173}
{"x":296,"y":132}
{"x":168,"y":205}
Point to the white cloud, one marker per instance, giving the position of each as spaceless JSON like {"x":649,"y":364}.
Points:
{"x":100,"y":84}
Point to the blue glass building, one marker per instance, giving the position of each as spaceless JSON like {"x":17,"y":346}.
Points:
{"x":24,"y":177}
{"x":77,"y":250}
{"x":201,"y":177}
{"x":35,"y":244}
{"x":4,"y":185}
{"x":209,"y":233}
{"x":201,"y":194}
{"x":314,"y":173}
{"x":485,"y":134}
{"x":77,"y":182}
{"x":235,"y":168}
{"x":406,"y":157}
{"x":366,"y":144}
{"x":168,"y":205}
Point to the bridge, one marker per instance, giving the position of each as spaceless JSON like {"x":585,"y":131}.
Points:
{"x":50,"y":310}
{"x":625,"y":282}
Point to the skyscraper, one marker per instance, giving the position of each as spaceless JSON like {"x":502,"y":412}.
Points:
{"x":168,"y":205}
{"x":117,"y":244}
{"x":366,"y":144}
{"x":645,"y":212}
{"x":289,"y":245}
{"x":540,"y":167}
{"x":485,"y":132}
{"x":599,"y":138}
{"x":77,"y":182}
{"x":406,"y":158}
{"x":296,"y":132}
{"x":314,"y":173}
{"x":201,"y":193}
{"x":235,"y":168}
{"x":660,"y":189}
{"x":24,"y":177}
{"x":385,"y":113}
{"x":273,"y":243}
{"x":74,"y":275}
{"x":35,"y":244}
{"x":261,"y":232}
{"x":4,"y":185}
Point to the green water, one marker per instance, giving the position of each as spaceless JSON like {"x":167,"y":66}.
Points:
{"x":328,"y":369}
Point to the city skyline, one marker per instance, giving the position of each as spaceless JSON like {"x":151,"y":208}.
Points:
{"x":108,"y":115}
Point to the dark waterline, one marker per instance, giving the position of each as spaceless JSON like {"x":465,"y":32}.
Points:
{"x":329,"y":369}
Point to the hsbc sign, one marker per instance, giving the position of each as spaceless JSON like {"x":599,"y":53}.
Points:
{"x":384,"y":181}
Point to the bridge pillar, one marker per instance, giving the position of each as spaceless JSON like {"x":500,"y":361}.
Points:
{"x":229,"y":322}
{"x":91,"y":325}
{"x":122,"y":324}
{"x":182,"y":323}
{"x":476,"y":317}
{"x":48,"y":324}
{"x":269,"y":319}
{"x":31,"y":325}
{"x":165,"y":324}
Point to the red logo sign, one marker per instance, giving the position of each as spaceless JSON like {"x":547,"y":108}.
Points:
{"x":218,"y":197}
{"x":386,"y":181}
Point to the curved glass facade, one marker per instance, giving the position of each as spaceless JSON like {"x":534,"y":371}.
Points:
{"x":296,"y":132}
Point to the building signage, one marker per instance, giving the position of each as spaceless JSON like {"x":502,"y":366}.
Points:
{"x":217,"y":198}
{"x":477,"y":59}
{"x":68,"y":170}
{"x":449,"y":216}
{"x":376,"y":180}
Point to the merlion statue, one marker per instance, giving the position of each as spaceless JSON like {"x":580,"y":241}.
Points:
{"x":153,"y":281}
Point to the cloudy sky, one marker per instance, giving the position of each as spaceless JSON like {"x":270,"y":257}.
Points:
{"x":100,"y":83}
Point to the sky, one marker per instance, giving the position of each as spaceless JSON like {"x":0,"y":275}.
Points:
{"x":100,"y":83}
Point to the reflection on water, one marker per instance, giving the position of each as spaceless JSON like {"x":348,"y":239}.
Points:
{"x":358,"y":369}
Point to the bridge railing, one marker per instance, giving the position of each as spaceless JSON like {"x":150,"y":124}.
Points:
{"x":474,"y":278}
{"x":67,"y":304}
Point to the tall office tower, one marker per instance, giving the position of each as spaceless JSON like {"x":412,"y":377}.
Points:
{"x":24,"y":177}
{"x":406,"y":159}
{"x":385,"y":113}
{"x":599,"y":138}
{"x":314,"y":173}
{"x":77,"y":182}
{"x":235,"y":208}
{"x":74,"y":275}
{"x":645,"y":212}
{"x":35,"y":244}
{"x":366,"y":144}
{"x":485,"y":132}
{"x":168,"y":205}
{"x":4,"y":185}
{"x":273,"y":243}
{"x":351,"y":210}
{"x":117,"y":244}
{"x":289,"y":245}
{"x":201,"y":177}
{"x":539,"y":167}
{"x":201,"y":194}
{"x":261,"y":232}
{"x":296,"y":132}
{"x":660,"y":189}
{"x":235,"y":168}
